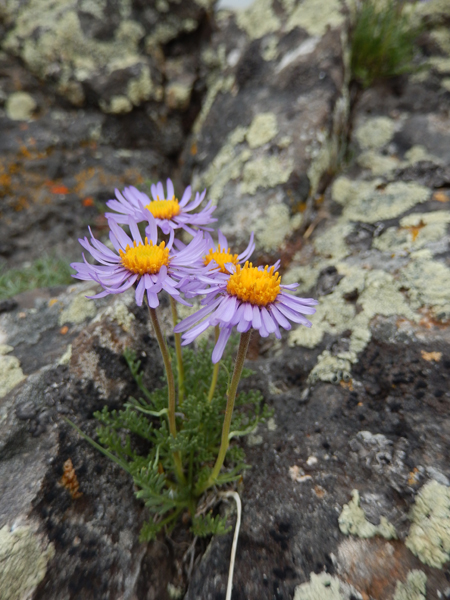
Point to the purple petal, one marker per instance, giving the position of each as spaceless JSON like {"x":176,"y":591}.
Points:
{"x":224,"y":336}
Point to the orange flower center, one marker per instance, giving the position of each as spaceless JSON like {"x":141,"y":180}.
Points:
{"x":164,"y":209}
{"x":221,"y":256}
{"x":145,"y":258}
{"x":250,"y":284}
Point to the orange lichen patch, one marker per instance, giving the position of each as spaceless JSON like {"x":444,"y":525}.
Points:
{"x":89,"y":201}
{"x":25,"y":152}
{"x":319,"y":491}
{"x":348,"y":385}
{"x":59,"y":189}
{"x":52,"y":301}
{"x":415,"y":230}
{"x":440,"y":196}
{"x":194,"y":149}
{"x":21,"y":204}
{"x":431,"y":356}
{"x":64,"y":330}
{"x":374,"y":566}
{"x":413,"y":477}
{"x":69,"y":480}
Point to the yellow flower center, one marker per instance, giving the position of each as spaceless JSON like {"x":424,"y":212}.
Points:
{"x":222,"y":256}
{"x":250,"y":284}
{"x":164,"y":209}
{"x":145,"y":258}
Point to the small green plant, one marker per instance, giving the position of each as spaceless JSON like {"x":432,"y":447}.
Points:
{"x":44,"y":272}
{"x":138,"y":439}
{"x":382,"y":41}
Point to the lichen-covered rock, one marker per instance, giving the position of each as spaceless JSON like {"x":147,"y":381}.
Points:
{"x":55,"y":543}
{"x":108,"y":51}
{"x":276,"y":106}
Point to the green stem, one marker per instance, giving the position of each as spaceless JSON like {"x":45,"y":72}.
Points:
{"x":212,"y":388}
{"x":171,"y":387}
{"x":180,"y":366}
{"x":231,"y":396}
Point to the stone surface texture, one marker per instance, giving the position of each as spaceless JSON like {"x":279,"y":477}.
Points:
{"x":348,"y":495}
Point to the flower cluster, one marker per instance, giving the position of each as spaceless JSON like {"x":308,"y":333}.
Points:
{"x":236,"y":293}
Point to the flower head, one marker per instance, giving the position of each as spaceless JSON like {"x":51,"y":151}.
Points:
{"x":150,"y":266}
{"x":168,"y":212}
{"x":247,"y":297}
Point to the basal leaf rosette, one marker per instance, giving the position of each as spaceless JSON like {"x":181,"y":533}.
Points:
{"x":168,"y":212}
{"x":247,"y":297}
{"x":144,"y":263}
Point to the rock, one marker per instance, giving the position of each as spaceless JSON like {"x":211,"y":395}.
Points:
{"x":110,"y":53}
{"x":269,"y":129}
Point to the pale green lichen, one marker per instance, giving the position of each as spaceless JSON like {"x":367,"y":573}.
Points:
{"x":446,"y":83}
{"x":80,"y":309}
{"x":269,"y":49}
{"x":11,"y":372}
{"x":221,"y":84}
{"x":352,"y":521}
{"x":441,"y":35}
{"x":324,"y":587}
{"x":263,"y":128}
{"x":272,"y":228}
{"x":141,"y":89}
{"x":227,"y":165}
{"x":371,"y":204}
{"x":377,"y":163}
{"x":441,"y":64}
{"x":429,"y":536}
{"x":61,"y":41}
{"x":117,"y":105}
{"x":178,"y":95}
{"x":265,"y":172}
{"x":258,"y":19}
{"x":119,"y":312}
{"x":416,"y":231}
{"x":375,"y":133}
{"x":20,"y":106}
{"x":414,"y":588}
{"x":316,"y":16}
{"x":428,"y":283}
{"x":24,"y":559}
{"x":65,"y":358}
{"x":378,"y":294}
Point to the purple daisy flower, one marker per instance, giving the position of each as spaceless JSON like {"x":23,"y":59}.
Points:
{"x":150,"y":266}
{"x":247,"y":297}
{"x":168,"y":212}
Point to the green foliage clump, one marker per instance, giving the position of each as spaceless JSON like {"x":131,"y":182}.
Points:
{"x":382,"y":41}
{"x":46,"y":271}
{"x":138,"y":439}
